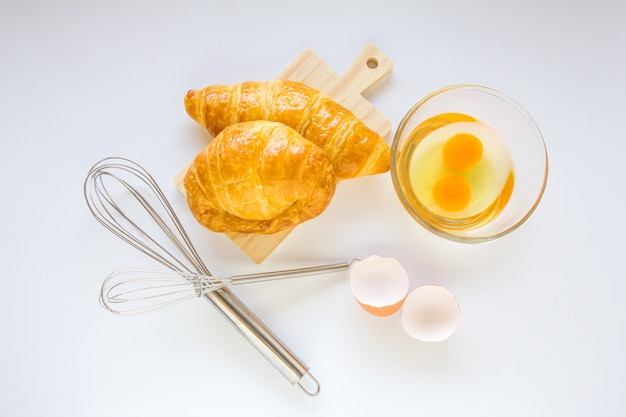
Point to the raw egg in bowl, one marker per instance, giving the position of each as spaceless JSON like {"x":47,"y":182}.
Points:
{"x":469,"y":163}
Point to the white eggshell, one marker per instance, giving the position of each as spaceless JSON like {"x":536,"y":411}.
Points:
{"x":379,"y":284}
{"x":430,"y":313}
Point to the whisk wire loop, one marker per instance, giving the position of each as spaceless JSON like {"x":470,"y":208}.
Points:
{"x":132,"y":291}
{"x":110,"y":213}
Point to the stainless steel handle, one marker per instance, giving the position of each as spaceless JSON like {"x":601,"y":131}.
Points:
{"x":266,"y":342}
{"x":290,"y":273}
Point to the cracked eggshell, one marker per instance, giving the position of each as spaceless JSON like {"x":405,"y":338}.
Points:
{"x":430,"y":313}
{"x":379,"y":285}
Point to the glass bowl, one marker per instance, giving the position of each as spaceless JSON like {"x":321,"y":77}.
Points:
{"x":517,"y":154}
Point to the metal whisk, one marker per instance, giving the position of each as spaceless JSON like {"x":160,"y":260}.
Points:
{"x":119,"y":194}
{"x":133,"y":291}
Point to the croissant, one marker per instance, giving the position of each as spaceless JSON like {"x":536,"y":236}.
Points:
{"x":355,"y":150}
{"x":258,"y":177}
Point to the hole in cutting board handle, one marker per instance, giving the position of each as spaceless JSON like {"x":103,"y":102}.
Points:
{"x":372,"y":63}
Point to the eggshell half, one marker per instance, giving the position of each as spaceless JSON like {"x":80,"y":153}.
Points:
{"x":379,"y":285}
{"x":430,"y":313}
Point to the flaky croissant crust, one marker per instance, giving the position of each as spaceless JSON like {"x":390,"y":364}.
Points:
{"x":355,"y":150}
{"x":258,"y":177}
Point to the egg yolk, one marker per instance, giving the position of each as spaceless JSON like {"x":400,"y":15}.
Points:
{"x":462,"y":152}
{"x":452,"y":192}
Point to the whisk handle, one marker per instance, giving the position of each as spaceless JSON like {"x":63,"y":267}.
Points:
{"x":290,"y":273}
{"x":266,"y":342}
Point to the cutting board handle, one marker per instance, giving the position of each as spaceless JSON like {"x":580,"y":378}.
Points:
{"x":368,"y":68}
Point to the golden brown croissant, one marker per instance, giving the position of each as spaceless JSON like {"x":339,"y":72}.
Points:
{"x":258,"y":177}
{"x":354,"y":149}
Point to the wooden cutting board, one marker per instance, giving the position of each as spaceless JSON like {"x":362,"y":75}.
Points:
{"x":370,"y":66}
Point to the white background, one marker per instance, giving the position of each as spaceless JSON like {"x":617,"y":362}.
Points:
{"x":544,"y":317}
